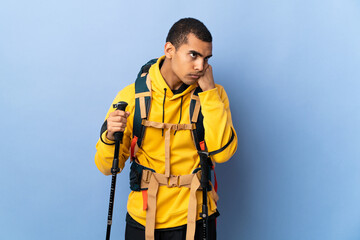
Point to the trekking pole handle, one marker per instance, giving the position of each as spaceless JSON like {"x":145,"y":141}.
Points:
{"x":119,"y":106}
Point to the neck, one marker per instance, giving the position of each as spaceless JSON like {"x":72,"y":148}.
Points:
{"x":169,"y":76}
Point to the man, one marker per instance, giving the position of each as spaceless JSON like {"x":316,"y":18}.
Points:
{"x":168,"y":150}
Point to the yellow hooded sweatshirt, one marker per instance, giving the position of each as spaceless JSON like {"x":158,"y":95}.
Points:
{"x":172,"y":203}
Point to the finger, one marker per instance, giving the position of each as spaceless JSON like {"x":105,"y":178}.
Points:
{"x":113,"y":114}
{"x":114,"y":130}
{"x":122,"y":113}
{"x":117,"y":124}
{"x":118,"y":113}
{"x":116,"y":127}
{"x":209,"y":69}
{"x":117,"y":119}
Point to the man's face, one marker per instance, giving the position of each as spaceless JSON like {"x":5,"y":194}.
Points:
{"x":190,"y":60}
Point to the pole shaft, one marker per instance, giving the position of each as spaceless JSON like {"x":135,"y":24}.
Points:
{"x":114,"y":170}
{"x":204,"y":185}
{"x":111,"y":205}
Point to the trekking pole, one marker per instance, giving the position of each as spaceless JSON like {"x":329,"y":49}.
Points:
{"x":204,"y":158}
{"x":114,"y":170}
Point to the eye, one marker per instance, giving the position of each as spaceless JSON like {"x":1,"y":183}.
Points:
{"x":193,"y":55}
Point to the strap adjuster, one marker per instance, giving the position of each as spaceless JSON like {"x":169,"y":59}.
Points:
{"x":204,"y":154}
{"x":146,"y":174}
{"x":173,"y":181}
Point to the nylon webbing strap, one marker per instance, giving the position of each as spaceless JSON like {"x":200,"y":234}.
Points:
{"x":196,"y":108}
{"x":151,"y":208}
{"x":141,"y":97}
{"x":142,"y":101}
{"x":226,"y":145}
{"x":213,"y":192}
{"x":197,"y":118}
{"x":192,"y":209}
{"x":190,"y":181}
{"x":133,"y":148}
{"x":169,"y":127}
{"x":172,"y":181}
{"x":167,"y":152}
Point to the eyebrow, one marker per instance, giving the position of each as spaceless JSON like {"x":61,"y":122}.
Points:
{"x":197,"y":53}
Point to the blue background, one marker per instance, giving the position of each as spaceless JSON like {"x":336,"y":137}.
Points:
{"x":290,"y":68}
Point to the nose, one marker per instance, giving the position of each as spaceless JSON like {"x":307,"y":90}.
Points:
{"x":199,"y":65}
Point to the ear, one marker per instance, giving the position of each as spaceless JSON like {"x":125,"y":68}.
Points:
{"x":169,"y":50}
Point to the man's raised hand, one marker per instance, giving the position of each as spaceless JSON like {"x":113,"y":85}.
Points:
{"x":206,"y":82}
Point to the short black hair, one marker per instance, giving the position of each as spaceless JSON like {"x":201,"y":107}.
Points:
{"x":180,"y":30}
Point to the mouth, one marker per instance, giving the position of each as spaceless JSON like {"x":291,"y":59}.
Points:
{"x":194,"y":76}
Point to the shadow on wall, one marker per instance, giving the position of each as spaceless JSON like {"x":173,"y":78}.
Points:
{"x":234,"y":175}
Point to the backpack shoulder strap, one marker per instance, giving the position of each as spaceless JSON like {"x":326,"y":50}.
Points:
{"x":140,"y":87}
{"x":197,"y":118}
{"x":142,"y":101}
